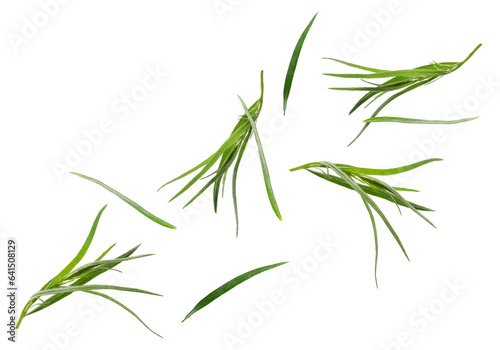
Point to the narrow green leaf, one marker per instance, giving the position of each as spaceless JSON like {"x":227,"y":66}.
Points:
{"x":82,"y":251}
{"x":265,"y":170}
{"x":105,"y":253}
{"x":89,"y":287}
{"x":105,"y":296}
{"x":387,"y":172}
{"x":408,"y":73}
{"x":374,"y":225}
{"x":235,"y":174}
{"x":469,"y":56}
{"x":415,"y":121}
{"x":374,"y":70}
{"x":128,"y":201}
{"x":226,"y":287}
{"x":186,"y":173}
{"x":293,"y":64}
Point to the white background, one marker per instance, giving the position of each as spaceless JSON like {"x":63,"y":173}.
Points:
{"x":66,"y":78}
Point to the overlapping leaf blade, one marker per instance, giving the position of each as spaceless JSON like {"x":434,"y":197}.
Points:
{"x":265,"y":170}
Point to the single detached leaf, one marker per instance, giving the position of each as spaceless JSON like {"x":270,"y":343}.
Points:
{"x":228,"y":286}
{"x":293,"y":64}
{"x":128,"y":201}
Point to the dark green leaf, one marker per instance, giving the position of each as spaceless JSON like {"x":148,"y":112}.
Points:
{"x":226,"y":287}
{"x":293,"y":64}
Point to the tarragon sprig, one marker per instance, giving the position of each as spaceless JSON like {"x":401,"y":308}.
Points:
{"x":362,"y":181}
{"x":400,"y":82}
{"x":76,"y":279}
{"x":231,"y":152}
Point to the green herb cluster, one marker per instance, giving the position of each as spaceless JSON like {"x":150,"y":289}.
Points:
{"x":362,"y":181}
{"x":231,"y":152}
{"x":73,"y":279}
{"x":400,"y":82}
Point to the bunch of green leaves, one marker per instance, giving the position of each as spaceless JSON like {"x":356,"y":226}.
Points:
{"x":362,"y":181}
{"x":226,"y":287}
{"x":231,"y":152}
{"x":76,"y":279}
{"x":400,"y":82}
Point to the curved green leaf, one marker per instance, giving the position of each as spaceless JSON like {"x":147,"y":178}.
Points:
{"x":105,"y":296}
{"x":265,"y":170}
{"x":374,"y":225}
{"x":293,"y":64}
{"x":387,"y":172}
{"x":128,"y":201}
{"x":81,"y":253}
{"x":226,"y":287}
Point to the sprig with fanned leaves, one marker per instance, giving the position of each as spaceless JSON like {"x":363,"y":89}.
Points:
{"x":231,"y":152}
{"x":75,"y":279}
{"x":362,"y":181}
{"x":400,"y":82}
